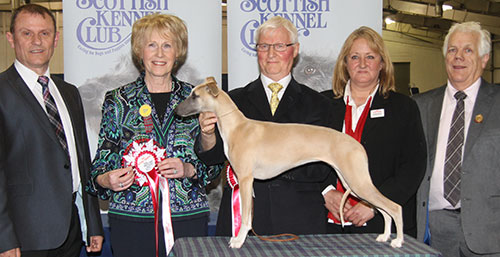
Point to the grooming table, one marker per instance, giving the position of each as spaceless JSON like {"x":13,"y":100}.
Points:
{"x":353,"y":245}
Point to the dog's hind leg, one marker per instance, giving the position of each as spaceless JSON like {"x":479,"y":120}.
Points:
{"x":388,"y":209}
{"x":398,"y":220}
{"x":387,"y":226}
{"x":246,"y":185}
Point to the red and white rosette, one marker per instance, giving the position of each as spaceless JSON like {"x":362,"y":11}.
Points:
{"x":144,"y":155}
{"x":235,"y":201}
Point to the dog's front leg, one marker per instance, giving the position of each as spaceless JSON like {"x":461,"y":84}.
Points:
{"x":246,"y":185}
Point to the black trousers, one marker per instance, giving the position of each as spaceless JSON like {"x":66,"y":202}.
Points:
{"x":70,"y":248}
{"x":133,"y":238}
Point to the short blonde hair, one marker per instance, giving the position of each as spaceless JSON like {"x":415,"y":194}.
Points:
{"x":277,"y":22}
{"x":376,"y":43}
{"x":168,"y":26}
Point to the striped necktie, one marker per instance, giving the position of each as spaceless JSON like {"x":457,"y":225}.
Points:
{"x":53,"y":113}
{"x":453,"y":160}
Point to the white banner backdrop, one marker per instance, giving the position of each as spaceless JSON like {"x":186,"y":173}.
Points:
{"x":323,"y":26}
{"x":97,"y":54}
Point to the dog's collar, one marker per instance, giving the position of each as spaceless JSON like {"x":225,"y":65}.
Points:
{"x":227,"y":113}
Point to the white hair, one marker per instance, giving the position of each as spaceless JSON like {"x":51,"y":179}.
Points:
{"x":278,"y":22}
{"x":484,"y":45}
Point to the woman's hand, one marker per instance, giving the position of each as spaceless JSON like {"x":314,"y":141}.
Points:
{"x":207,"y":124}
{"x":117,"y":180}
{"x":332,"y":203}
{"x":359,"y":214}
{"x":175,"y":168}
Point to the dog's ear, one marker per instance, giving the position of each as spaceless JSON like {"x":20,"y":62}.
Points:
{"x":212,"y":88}
{"x":210,"y":79}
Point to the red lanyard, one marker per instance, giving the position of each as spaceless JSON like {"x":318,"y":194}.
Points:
{"x":361,"y":122}
{"x":356,"y":135}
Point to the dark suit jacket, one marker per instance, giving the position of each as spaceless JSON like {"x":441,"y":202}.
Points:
{"x":35,"y":175}
{"x":480,"y":190}
{"x":291,"y":202}
{"x":395,"y":145}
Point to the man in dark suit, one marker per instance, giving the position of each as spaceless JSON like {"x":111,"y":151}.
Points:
{"x":292,"y":202}
{"x":462,"y":125}
{"x":44,"y":155}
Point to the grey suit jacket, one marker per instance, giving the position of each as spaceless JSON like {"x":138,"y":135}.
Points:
{"x":35,"y":176}
{"x":480,"y":186}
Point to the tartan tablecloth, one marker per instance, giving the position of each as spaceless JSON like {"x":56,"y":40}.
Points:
{"x":307,"y":245}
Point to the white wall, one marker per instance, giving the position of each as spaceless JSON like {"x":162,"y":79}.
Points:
{"x":425,"y":58}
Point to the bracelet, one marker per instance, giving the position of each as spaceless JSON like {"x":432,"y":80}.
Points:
{"x":194,"y":173}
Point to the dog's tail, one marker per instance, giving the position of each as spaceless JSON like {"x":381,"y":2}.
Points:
{"x":342,"y":203}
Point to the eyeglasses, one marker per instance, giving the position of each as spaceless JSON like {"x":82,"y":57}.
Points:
{"x":280,"y":47}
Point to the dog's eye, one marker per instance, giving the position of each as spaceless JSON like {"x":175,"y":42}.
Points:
{"x":194,"y":96}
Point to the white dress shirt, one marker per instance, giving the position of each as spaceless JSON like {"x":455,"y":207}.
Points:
{"x":284,"y":82}
{"x":436,"y":196}
{"x":31,"y":80}
{"x":356,"y":111}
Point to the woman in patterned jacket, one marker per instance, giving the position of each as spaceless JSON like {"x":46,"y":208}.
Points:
{"x":134,"y":114}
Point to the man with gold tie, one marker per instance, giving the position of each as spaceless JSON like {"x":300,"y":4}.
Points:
{"x":291,"y":202}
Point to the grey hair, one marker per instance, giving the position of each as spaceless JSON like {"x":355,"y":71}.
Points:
{"x":484,"y":46}
{"x":278,"y":22}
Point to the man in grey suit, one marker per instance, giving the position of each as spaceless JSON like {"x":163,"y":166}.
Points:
{"x":460,"y":194}
{"x":44,"y":155}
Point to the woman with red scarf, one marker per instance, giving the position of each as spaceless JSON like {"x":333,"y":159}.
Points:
{"x":386,"y":123}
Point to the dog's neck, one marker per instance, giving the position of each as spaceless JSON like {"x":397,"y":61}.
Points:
{"x":226,"y":113}
{"x":229,"y":117}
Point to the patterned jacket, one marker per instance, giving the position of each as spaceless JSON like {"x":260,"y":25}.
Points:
{"x":122,"y":124}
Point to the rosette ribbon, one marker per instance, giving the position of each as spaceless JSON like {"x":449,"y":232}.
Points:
{"x":235,"y":201}
{"x":144,"y":155}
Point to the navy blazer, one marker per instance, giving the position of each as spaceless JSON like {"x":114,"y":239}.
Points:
{"x":291,"y":202}
{"x":395,"y":145}
{"x":480,"y":190}
{"x":35,"y":176}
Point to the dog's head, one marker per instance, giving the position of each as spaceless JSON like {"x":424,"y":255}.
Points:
{"x":201,"y":99}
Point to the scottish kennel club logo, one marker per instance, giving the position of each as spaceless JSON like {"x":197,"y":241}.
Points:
{"x":304,"y":14}
{"x":108,"y":29}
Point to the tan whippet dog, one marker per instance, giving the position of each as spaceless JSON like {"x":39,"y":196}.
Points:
{"x":255,"y":150}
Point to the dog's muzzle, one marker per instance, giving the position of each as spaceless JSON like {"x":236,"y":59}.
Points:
{"x":186,"y":108}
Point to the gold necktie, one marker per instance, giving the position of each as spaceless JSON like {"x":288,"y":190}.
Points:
{"x":275,"y":88}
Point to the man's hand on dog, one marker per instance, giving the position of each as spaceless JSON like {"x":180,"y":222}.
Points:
{"x":207,"y":124}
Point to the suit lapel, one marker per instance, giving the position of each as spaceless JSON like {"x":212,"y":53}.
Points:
{"x":378,"y":103}
{"x":257,"y":97}
{"x":483,"y":104}
{"x":338,"y":116}
{"x":29,"y":99}
{"x":288,"y":101}
{"x":70,"y":106}
{"x":433,"y":110}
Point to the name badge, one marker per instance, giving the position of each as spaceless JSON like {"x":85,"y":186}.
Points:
{"x":379,"y":113}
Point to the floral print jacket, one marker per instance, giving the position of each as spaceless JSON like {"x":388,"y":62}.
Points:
{"x":122,"y":124}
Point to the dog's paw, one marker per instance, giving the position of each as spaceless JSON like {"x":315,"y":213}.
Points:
{"x":236,"y":242}
{"x":397,"y":243}
{"x":383,"y":237}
